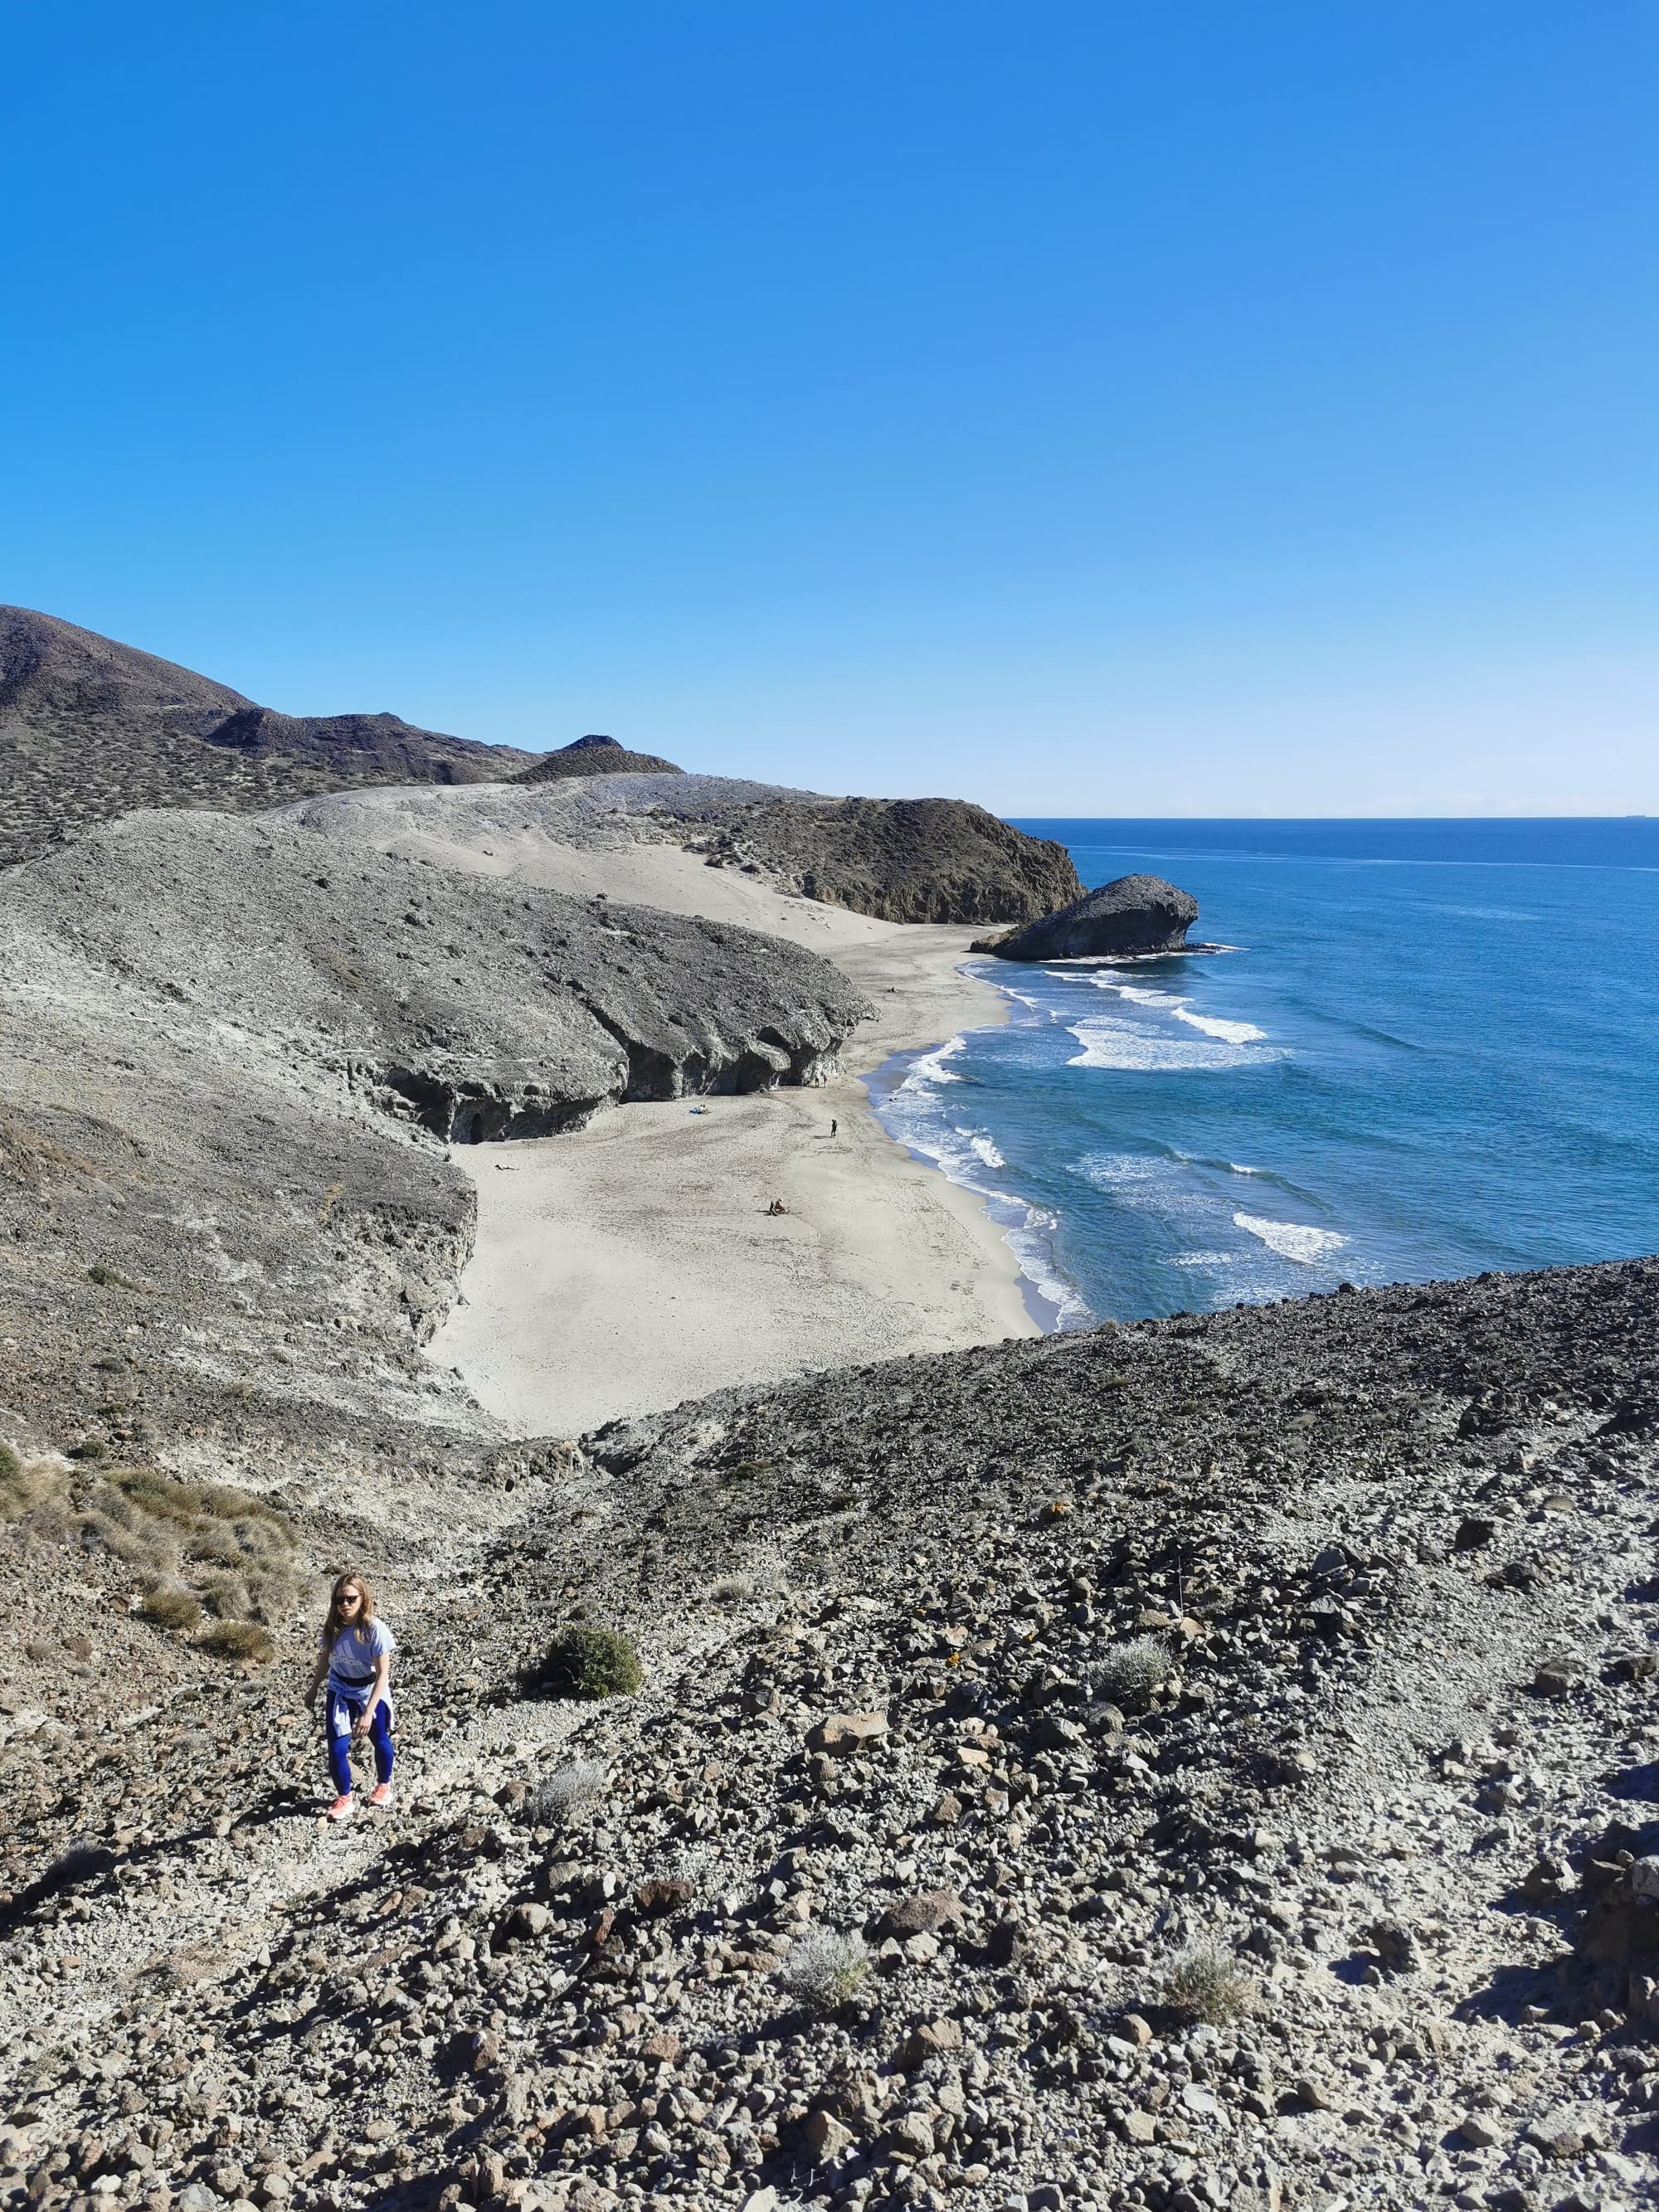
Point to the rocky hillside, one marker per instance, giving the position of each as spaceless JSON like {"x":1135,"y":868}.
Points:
{"x":90,"y":729}
{"x":231,"y":1058}
{"x":1199,"y":1764}
{"x":596,"y":756}
{"x":901,"y":860}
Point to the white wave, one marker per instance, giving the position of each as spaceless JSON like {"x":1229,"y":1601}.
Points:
{"x":981,"y":1148}
{"x":931,"y":1068}
{"x":1229,"y":1032}
{"x":1167,"y":1002}
{"x":1029,"y":1241}
{"x":1291,"y":1240}
{"x":1204,"y":1260}
{"x":1121,"y":1044}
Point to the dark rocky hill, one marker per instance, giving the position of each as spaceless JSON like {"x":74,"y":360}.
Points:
{"x":90,"y":729}
{"x":904,"y":859}
{"x":1132,"y":915}
{"x":597,"y":756}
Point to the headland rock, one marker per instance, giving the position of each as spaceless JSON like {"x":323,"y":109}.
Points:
{"x":1130,"y":914}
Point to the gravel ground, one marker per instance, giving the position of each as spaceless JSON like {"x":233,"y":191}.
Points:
{"x":1203,"y":1763}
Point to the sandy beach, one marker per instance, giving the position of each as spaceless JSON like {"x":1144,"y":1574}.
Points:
{"x":633,"y":1264}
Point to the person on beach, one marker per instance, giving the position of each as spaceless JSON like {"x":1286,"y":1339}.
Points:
{"x":354,"y":1658}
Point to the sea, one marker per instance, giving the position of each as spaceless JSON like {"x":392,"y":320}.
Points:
{"x":1419,"y":1050}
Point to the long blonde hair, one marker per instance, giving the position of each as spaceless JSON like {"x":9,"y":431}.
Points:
{"x":335,"y":1620}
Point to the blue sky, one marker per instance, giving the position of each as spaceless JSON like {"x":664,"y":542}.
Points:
{"x":1103,"y":407}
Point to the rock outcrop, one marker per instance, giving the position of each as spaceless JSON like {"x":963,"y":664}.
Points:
{"x":902,"y":859}
{"x":90,"y":729}
{"x":596,"y":756}
{"x":1130,"y":914}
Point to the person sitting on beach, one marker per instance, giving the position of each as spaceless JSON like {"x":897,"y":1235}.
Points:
{"x":355,"y":1657}
{"x":777,"y":1206}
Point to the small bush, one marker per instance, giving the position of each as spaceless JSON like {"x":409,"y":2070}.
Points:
{"x":108,"y":1278}
{"x":235,"y":1639}
{"x":566,"y":1792}
{"x":225,"y":1597}
{"x":1207,"y":1983}
{"x":24,"y":1483}
{"x":1128,"y":1673}
{"x":732,"y":1591}
{"x":167,"y":1607}
{"x":584,"y":1662}
{"x":825,"y":1969}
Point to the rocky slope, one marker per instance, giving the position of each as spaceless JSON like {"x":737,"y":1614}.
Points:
{"x":902,"y":859}
{"x":231,"y":1055}
{"x":1130,"y":916}
{"x":596,"y":756}
{"x":1193,"y":1764}
{"x":90,"y":729}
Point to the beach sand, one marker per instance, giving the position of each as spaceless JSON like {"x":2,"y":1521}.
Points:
{"x":631,"y":1265}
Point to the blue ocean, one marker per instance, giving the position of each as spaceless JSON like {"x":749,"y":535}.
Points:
{"x":1427,"y":1049}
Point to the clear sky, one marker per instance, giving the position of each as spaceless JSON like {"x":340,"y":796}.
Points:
{"x":1131,"y":406}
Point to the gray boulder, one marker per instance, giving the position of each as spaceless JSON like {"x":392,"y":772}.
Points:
{"x":1133,"y":914}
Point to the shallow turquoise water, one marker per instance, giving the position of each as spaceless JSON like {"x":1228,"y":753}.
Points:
{"x":1433,"y":1049}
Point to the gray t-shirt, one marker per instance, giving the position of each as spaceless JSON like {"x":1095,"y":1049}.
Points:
{"x":355,"y":1654}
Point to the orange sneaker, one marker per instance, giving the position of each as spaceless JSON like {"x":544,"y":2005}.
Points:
{"x":341,"y":1809}
{"x":381,"y":1794}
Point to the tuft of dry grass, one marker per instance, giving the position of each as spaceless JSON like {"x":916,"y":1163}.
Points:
{"x":825,"y":1969}
{"x":1127,"y":1674}
{"x":567,"y":1791}
{"x":236,"y":1640}
{"x":168,"y":1605}
{"x":1206,"y":1982}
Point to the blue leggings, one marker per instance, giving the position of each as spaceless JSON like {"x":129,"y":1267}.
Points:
{"x":343,"y":1711}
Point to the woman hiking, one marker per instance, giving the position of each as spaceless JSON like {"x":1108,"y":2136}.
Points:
{"x":354,"y":1657}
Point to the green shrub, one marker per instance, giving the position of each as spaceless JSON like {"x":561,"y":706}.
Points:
{"x":584,"y":1662}
{"x":165,"y":1606}
{"x":235,"y":1639}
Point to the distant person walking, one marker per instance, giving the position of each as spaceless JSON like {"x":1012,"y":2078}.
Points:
{"x":834,"y":1125}
{"x":355,"y":1659}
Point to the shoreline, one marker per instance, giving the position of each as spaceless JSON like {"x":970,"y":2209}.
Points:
{"x":620,"y":1269}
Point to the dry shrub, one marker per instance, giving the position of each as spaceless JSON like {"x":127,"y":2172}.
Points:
{"x":235,"y":1639}
{"x":565,"y":1792}
{"x":225,"y":1597}
{"x":22,"y":1484}
{"x":825,"y":1969}
{"x":1127,"y":1674}
{"x":168,"y":1605}
{"x":1207,"y":1983}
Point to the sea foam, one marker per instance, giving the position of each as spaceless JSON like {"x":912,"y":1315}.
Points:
{"x":1291,"y":1240}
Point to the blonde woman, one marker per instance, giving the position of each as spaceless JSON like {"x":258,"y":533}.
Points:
{"x":355,"y":1659}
